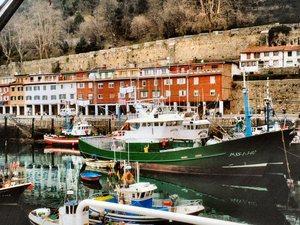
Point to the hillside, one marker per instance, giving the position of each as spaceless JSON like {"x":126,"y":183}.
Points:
{"x":41,"y":30}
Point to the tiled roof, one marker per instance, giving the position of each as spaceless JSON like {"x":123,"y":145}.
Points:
{"x":271,"y":49}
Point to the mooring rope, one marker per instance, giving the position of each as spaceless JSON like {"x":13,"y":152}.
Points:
{"x":285,"y":154}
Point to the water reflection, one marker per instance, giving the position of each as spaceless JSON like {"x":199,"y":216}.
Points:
{"x":255,"y":201}
{"x":260,"y":203}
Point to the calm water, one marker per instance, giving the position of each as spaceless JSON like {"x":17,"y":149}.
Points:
{"x":253,"y":201}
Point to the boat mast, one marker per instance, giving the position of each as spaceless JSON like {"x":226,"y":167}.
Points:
{"x":268,"y":106}
{"x":248,"y":131}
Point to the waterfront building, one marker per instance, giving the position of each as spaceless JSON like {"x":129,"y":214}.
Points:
{"x":5,"y":93}
{"x":253,"y":59}
{"x":114,"y":91}
{"x":46,"y":94}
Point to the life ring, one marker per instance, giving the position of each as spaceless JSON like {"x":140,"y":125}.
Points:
{"x":128,"y":177}
{"x":6,"y":184}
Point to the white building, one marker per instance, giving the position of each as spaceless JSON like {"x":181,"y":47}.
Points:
{"x":255,"y":58}
{"x":46,"y":94}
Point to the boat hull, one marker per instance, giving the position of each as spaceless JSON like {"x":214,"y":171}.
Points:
{"x":250,"y":156}
{"x":13,"y":193}
{"x":90,"y":176}
{"x":60,"y":141}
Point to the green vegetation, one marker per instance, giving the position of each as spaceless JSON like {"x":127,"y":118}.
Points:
{"x":42,"y":30}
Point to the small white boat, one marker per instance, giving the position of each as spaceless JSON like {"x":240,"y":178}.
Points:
{"x":71,"y":135}
{"x":64,"y":215}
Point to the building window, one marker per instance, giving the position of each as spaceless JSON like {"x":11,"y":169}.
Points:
{"x":276,"y":53}
{"x":100,"y":86}
{"x":256,"y":55}
{"x":196,"y":80}
{"x":212,"y":79}
{"x":28,"y":98}
{"x":144,"y":94}
{"x":144,"y":83}
{"x":90,"y":85}
{"x":100,"y":96}
{"x":181,"y":81}
{"x":289,"y":53}
{"x":12,"y":89}
{"x":168,"y":93}
{"x":155,"y":82}
{"x":212,"y":92}
{"x":44,"y":97}
{"x":13,"y":98}
{"x":90,"y":96}
{"x":36,"y":97}
{"x":111,"y":85}
{"x":168,"y":81}
{"x":199,"y":69}
{"x":44,"y":88}
{"x":53,"y":97}
{"x":275,"y":63}
{"x":20,"y":88}
{"x":72,"y":96}
{"x":53,"y":87}
{"x":80,"y":96}
{"x":196,"y":93}
{"x":80,"y":85}
{"x":155,"y":94}
{"x":20,"y":97}
{"x":266,"y":54}
{"x":298,"y":53}
{"x":121,"y":84}
{"x":28,"y":88}
{"x":289,"y":63}
{"x":133,"y":83}
{"x":61,"y":86}
{"x":182,"y":93}
{"x":121,"y":95}
{"x":6,"y":89}
{"x":62,"y":96}
{"x":36,"y":88}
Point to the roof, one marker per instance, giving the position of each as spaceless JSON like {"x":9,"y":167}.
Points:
{"x":271,"y":49}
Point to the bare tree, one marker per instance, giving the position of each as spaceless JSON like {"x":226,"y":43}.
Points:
{"x":6,"y":42}
{"x":46,"y":24}
{"x":140,"y":27}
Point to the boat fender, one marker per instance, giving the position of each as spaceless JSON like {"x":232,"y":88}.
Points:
{"x":128,"y":177}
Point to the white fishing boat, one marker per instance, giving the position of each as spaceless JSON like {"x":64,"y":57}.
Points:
{"x":64,"y":215}
{"x":70,"y":136}
{"x":141,"y":194}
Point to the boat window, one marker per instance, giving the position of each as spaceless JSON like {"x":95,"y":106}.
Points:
{"x":142,"y":194}
{"x":144,"y":124}
{"x":149,"y":124}
{"x":136,"y":125}
{"x":133,"y":195}
{"x":156,"y":124}
{"x":161,"y":124}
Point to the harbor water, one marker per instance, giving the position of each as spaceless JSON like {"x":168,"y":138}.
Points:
{"x":266,"y":200}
